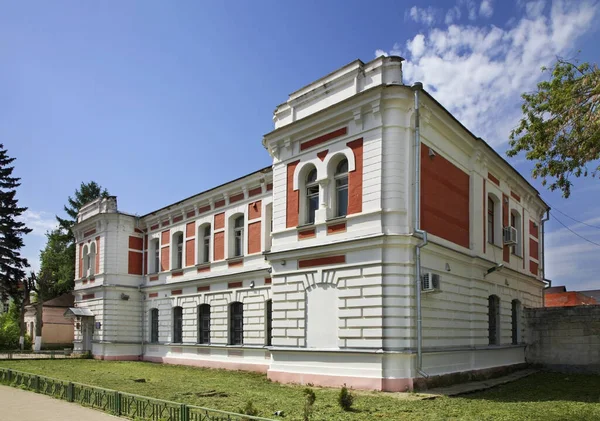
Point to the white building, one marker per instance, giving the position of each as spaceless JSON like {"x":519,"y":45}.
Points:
{"x":319,"y":268}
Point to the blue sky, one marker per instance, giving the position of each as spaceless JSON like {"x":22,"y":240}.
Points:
{"x":157,"y":101}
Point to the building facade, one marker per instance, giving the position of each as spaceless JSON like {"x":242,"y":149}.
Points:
{"x":386,"y":244}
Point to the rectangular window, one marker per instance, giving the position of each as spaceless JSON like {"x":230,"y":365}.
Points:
{"x":204,"y":324}
{"x":269,"y":318}
{"x":177,"y":325}
{"x":312,"y":196}
{"x":206,"y":245}
{"x":236,"y":324}
{"x":490,"y":221}
{"x":154,"y":325}
{"x":156,"y":257}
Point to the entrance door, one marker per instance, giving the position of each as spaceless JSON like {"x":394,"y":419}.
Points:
{"x":87,"y":332}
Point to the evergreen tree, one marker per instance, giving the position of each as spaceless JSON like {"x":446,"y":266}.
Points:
{"x":12,"y":264}
{"x":57,"y":259}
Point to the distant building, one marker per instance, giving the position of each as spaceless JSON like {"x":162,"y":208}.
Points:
{"x":559,"y":297}
{"x":56,"y":329}
{"x":311,"y":270}
{"x":594,"y":293}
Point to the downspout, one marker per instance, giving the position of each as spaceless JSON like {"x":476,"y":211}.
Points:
{"x":543,"y":257}
{"x":417,"y":87}
{"x":142,"y":295}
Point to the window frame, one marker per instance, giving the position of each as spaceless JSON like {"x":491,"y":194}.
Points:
{"x":203,"y":311}
{"x":238,"y":236}
{"x":341,"y":177}
{"x":154,"y":325}
{"x":236,"y":323}
{"x":311,"y":192}
{"x":177,"y":241}
{"x":494,"y":333}
{"x":517,"y":224}
{"x":206,"y":237}
{"x":177,"y":325}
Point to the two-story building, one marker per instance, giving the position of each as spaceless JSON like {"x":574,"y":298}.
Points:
{"x":385,"y":245}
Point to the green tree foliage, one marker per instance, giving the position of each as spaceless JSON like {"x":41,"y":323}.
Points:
{"x":345,"y":399}
{"x":9,"y":329}
{"x":57,"y":259}
{"x":560,"y":128}
{"x":309,"y":401}
{"x":12,"y":264}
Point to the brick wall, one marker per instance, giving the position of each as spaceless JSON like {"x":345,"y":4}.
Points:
{"x":566,"y":338}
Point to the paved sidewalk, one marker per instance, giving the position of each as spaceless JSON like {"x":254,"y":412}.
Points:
{"x":17,"y":404}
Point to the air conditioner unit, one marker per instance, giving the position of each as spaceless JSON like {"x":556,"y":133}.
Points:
{"x":510,"y":235}
{"x":430,"y":282}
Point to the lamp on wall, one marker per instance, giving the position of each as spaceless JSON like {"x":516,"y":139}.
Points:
{"x":494,"y":269}
{"x":251,"y":284}
{"x":448,"y":267}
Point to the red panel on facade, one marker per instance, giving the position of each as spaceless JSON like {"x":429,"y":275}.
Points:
{"x":176,"y":292}
{"x":135,"y":263}
{"x":204,"y":269}
{"x":88,"y":233}
{"x":219,"y":221}
{"x":444,"y":199}
{"x":304,"y":234}
{"x":190,"y":251}
{"x":219,"y":246}
{"x":190,"y":229}
{"x":164,"y":258}
{"x":234,"y":284}
{"x":321,"y":261}
{"x":255,"y":191}
{"x":334,"y":229}
{"x":164,"y":238}
{"x":268,"y":281}
{"x":136,"y":243}
{"x":254,"y":210}
{"x":254,"y":237}
{"x":153,"y":295}
{"x":293,"y":199}
{"x":355,"y":178}
{"x":204,"y":208}
{"x":235,"y":263}
{"x":515,"y":196}
{"x":533,"y":229}
{"x":493,"y":179}
{"x":190,"y":214}
{"x":203,"y":288}
{"x":178,"y":218}
{"x":269,"y":186}
{"x":154,"y":278}
{"x":236,"y":198}
{"x":505,"y":223}
{"x":154,"y":227}
{"x":533,"y":268}
{"x":324,"y":138}
{"x":176,"y":274}
{"x":88,"y":296}
{"x":164,"y":223}
{"x":220,"y":203}
{"x":321,"y":155}
{"x":533,"y":249}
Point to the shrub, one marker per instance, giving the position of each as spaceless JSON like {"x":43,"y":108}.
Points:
{"x":345,"y":399}
{"x":9,"y":330}
{"x":309,"y":400}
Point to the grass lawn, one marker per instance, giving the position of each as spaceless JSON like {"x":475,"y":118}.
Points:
{"x":543,"y":396}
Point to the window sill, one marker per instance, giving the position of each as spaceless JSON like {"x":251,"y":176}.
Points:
{"x":203,"y":265}
{"x":495,"y":245}
{"x":234,"y":259}
{"x":336,"y":219}
{"x":305,"y":226}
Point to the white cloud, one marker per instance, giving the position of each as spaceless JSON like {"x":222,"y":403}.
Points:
{"x":452,"y":15}
{"x":471,"y":7}
{"x":479,"y":72}
{"x":535,"y":9}
{"x":39,"y":222}
{"x":485,"y":9}
{"x":427,"y":16}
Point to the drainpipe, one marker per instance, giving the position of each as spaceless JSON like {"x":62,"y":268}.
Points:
{"x":417,"y":87}
{"x":543,"y":259}
{"x":142,"y":295}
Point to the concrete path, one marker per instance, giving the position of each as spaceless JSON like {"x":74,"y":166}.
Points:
{"x":460,"y":389}
{"x":17,"y":404}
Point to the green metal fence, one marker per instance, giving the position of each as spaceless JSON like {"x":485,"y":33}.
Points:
{"x":117,"y":403}
{"x":37,"y":355}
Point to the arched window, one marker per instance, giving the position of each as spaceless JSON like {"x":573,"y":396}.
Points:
{"x":491,"y":220}
{"x":86,"y":260}
{"x":238,"y":236}
{"x":204,"y":324}
{"x":515,"y":222}
{"x":493,"y":320}
{"x":177,"y":256}
{"x":92,"y":258}
{"x":177,"y":324}
{"x":236,"y":323}
{"x":154,"y":325}
{"x":515,"y":319}
{"x":156,"y":254}
{"x":269,"y":323}
{"x":204,"y":244}
{"x":341,"y":188}
{"x":312,"y":196}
